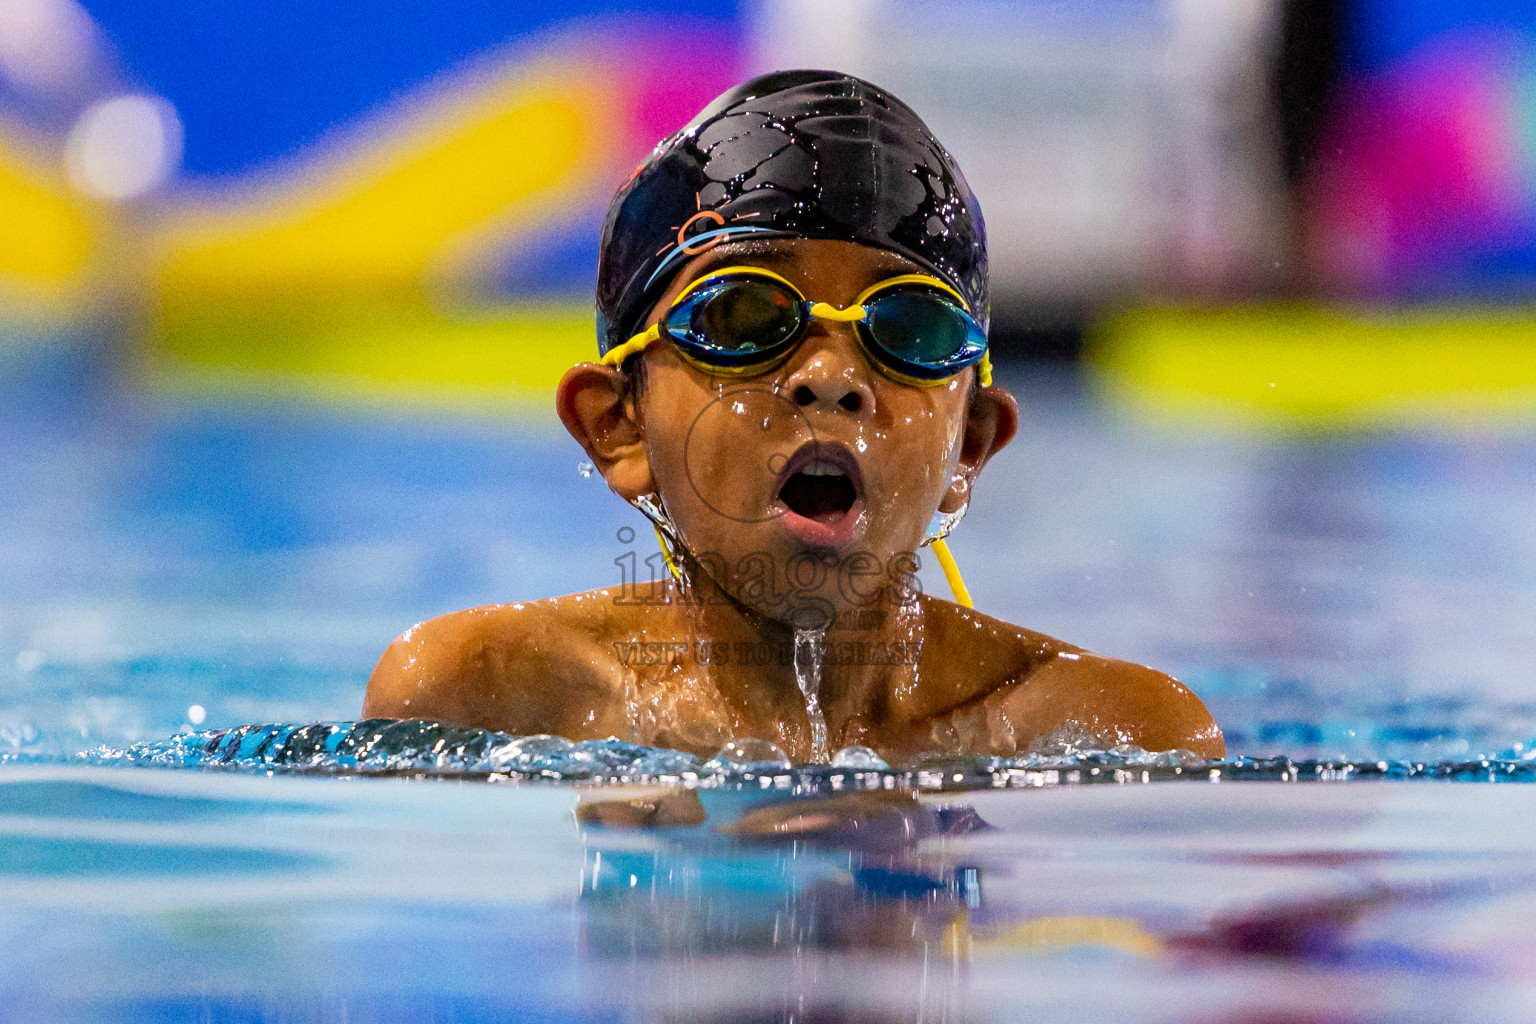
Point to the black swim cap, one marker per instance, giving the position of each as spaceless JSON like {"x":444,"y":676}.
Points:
{"x":813,"y":154}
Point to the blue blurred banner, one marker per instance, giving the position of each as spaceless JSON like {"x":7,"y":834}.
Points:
{"x":259,"y":82}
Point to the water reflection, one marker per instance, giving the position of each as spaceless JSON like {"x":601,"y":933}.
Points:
{"x":748,"y":874}
{"x":786,"y":895}
{"x":765,"y":880}
{"x":715,"y":905}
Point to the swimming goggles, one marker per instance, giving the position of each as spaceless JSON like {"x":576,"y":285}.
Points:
{"x":743,"y":320}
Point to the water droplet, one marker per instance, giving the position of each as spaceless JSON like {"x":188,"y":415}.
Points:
{"x":943,"y":522}
{"x":750,"y":750}
{"x":585,"y":468}
{"x":859,"y":757}
{"x":765,"y":422}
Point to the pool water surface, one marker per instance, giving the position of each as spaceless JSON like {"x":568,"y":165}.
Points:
{"x":193,"y":896}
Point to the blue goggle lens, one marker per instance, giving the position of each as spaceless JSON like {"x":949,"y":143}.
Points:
{"x":923,"y":329}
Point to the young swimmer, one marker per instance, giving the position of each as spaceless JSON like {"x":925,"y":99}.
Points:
{"x":794,"y":387}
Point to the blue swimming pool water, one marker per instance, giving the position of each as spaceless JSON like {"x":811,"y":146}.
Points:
{"x":1357,"y":597}
{"x":1367,"y":598}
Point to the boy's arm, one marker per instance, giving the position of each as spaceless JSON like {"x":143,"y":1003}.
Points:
{"x":513,"y":668}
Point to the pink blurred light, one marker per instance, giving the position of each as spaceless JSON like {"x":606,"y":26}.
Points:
{"x":1421,"y":159}
{"x":673,"y":75}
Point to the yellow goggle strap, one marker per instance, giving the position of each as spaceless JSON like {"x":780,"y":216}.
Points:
{"x":667,"y":554}
{"x":616,"y":355}
{"x":951,"y":573}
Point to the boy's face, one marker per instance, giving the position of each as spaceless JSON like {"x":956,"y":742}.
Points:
{"x":801,"y":489}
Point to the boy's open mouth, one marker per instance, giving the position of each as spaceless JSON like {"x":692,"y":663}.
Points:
{"x":820,"y":494}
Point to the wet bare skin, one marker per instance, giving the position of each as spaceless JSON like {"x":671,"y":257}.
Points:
{"x":712,"y":448}
{"x":983,"y":686}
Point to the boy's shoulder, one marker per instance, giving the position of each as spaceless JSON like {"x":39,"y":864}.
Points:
{"x":522,"y":666}
{"x":985,"y":667}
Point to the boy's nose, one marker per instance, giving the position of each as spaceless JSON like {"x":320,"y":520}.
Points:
{"x":830,"y":374}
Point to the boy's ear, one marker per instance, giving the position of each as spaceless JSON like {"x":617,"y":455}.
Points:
{"x":989,"y":426}
{"x":596,"y":406}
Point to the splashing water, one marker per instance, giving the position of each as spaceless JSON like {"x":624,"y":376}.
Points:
{"x":585,"y":468}
{"x":415,"y":747}
{"x":387,"y":746}
{"x":943,"y":522}
{"x":859,"y":757}
{"x":651,"y":507}
{"x":809,"y":653}
{"x":749,"y":753}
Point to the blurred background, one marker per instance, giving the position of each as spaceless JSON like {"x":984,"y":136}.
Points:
{"x":284,"y":289}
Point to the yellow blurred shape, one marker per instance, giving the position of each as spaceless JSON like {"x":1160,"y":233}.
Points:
{"x":353,"y":278}
{"x":46,"y":232}
{"x":521,"y":150}
{"x":1049,"y":934}
{"x":1311,"y":367}
{"x":390,"y":353}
